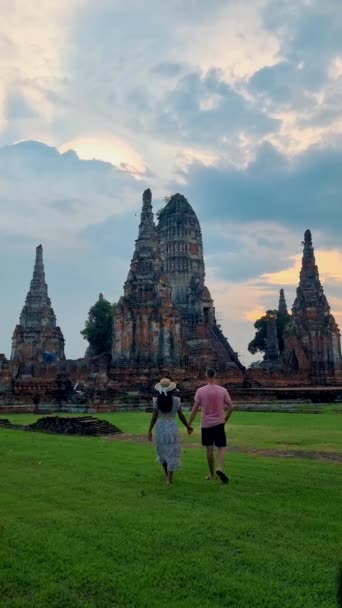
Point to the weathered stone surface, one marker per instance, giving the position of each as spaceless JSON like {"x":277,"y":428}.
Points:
{"x":312,"y":337}
{"x":166,"y":315}
{"x":85,"y":425}
{"x":181,"y":250}
{"x":147,"y":329}
{"x":165,"y":325}
{"x":37,"y":337}
{"x":282,"y":307}
{"x":5,"y":372}
{"x":272,"y":352}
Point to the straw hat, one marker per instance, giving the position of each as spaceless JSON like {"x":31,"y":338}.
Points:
{"x":165,"y":386}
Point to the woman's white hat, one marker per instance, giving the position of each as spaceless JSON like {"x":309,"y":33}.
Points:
{"x":165,"y":386}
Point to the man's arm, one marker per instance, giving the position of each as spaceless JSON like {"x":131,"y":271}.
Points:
{"x":184,"y":420}
{"x":228,"y":404}
{"x":194,"y":412}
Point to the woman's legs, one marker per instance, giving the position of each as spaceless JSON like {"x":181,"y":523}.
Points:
{"x":164,"y":465}
{"x":169,"y":477}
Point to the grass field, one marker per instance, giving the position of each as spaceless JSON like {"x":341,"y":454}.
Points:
{"x":88,"y":522}
{"x":320,"y":432}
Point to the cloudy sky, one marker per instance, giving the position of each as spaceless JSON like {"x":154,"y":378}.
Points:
{"x":236,"y":104}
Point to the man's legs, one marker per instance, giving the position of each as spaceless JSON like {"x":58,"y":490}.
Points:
{"x":211,"y":463}
{"x":221,"y":442}
{"x":220,"y":458}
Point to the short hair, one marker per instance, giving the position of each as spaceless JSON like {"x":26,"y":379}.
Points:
{"x":211,"y":373}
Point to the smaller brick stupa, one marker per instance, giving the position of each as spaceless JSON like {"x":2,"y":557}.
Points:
{"x":282,"y":306}
{"x":37,"y":338}
{"x":312,"y":337}
{"x":272,"y":358}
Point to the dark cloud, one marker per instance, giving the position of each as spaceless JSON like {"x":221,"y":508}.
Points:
{"x":168,"y":69}
{"x":38,"y":159}
{"x":206,"y":109}
{"x":115,"y":235}
{"x":283,"y":84}
{"x":307,"y":30}
{"x":123,"y":71}
{"x":310,"y":36}
{"x":86,"y":215}
{"x":66,"y":205}
{"x":44,"y":193}
{"x":305,"y":192}
{"x":17,"y":108}
{"x":247,"y":264}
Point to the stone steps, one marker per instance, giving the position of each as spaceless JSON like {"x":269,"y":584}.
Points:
{"x":4,"y":422}
{"x":80,"y":425}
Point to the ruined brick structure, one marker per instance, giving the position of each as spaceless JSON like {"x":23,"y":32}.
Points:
{"x":147,"y":328}
{"x":272,"y":358}
{"x":181,"y":250}
{"x":166,"y":315}
{"x":282,"y":306}
{"x":37,"y":338}
{"x":312,"y":337}
{"x":165,"y":323}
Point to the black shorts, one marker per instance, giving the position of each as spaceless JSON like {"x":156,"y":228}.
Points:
{"x":214,"y":435}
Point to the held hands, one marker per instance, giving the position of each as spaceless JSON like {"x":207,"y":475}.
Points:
{"x":149,"y":436}
{"x":189,"y":429}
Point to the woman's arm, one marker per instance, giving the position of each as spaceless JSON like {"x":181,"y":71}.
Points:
{"x":184,"y":420}
{"x":152,"y":423}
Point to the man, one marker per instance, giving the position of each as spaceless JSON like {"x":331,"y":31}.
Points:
{"x":213,"y":400}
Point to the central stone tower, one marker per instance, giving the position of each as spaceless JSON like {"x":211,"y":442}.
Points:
{"x":181,"y":251}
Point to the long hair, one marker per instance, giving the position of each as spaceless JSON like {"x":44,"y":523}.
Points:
{"x":164,"y":402}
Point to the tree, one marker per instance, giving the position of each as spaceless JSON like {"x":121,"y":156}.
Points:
{"x":258,"y":344}
{"x":98,"y":330}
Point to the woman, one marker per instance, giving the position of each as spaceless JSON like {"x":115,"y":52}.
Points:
{"x":165,"y":408}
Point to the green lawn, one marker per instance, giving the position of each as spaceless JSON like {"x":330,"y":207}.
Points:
{"x":88,"y":523}
{"x":320,"y":432}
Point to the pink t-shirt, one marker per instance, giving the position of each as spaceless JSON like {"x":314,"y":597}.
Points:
{"x":212,"y":398}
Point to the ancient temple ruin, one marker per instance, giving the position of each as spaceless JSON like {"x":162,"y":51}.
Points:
{"x":147,"y":329}
{"x":282,"y":306}
{"x":166,"y":315}
{"x":181,"y":250}
{"x":272,"y":359}
{"x":37,"y":338}
{"x":165,"y":323}
{"x":312,"y":337}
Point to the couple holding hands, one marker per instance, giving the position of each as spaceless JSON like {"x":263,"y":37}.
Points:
{"x":216,"y":407}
